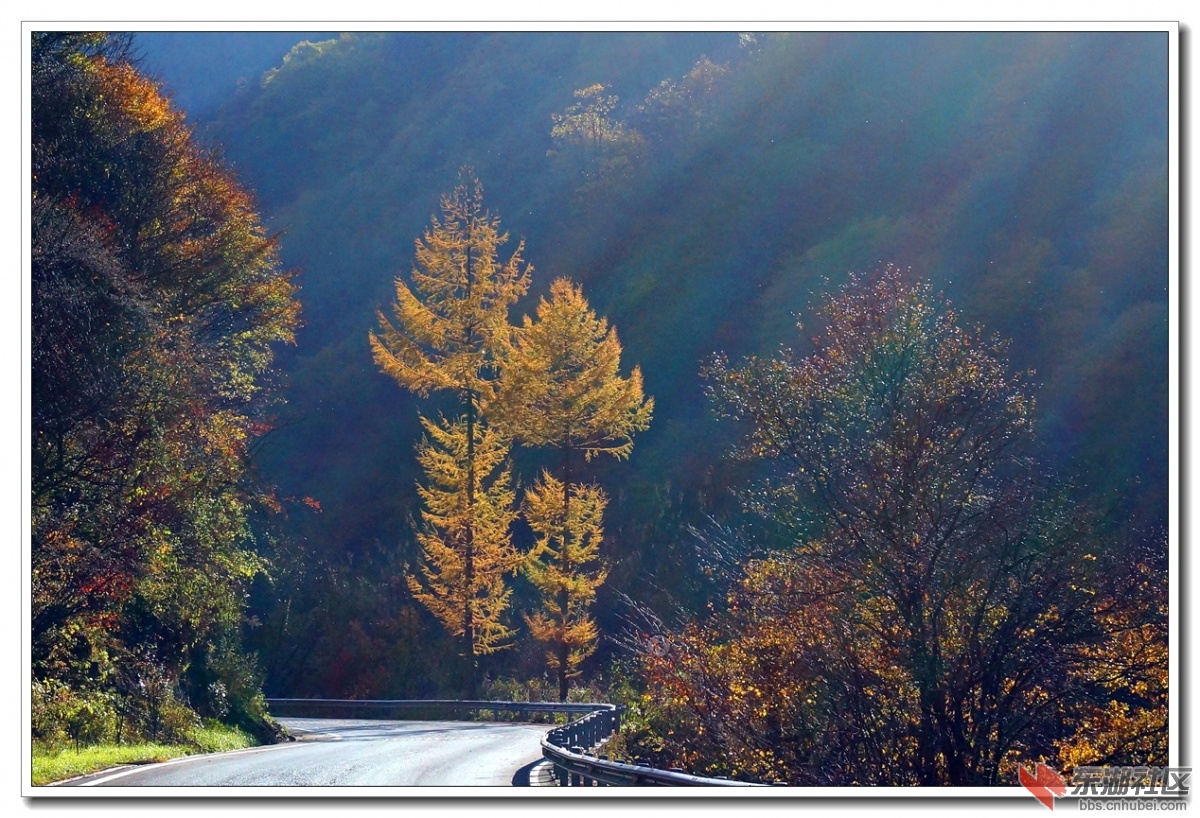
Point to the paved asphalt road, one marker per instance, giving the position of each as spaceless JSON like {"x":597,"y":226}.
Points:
{"x":350,"y":753}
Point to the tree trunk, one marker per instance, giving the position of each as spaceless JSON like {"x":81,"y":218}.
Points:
{"x":469,"y":556}
{"x":563,"y":598}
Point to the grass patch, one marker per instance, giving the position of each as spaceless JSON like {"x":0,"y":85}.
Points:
{"x":50,"y":765}
{"x":214,"y":737}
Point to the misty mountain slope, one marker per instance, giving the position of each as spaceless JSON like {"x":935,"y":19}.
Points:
{"x":1024,"y":174}
{"x":200,"y":70}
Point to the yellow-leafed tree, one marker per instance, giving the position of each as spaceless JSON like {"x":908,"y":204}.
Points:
{"x":467,"y":548}
{"x":446,"y":330}
{"x":562,"y":568}
{"x":560,"y":387}
{"x":1124,"y":718}
{"x":451,"y":319}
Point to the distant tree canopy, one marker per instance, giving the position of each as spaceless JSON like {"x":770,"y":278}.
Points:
{"x":594,"y":144}
{"x":157,"y":297}
{"x":675,"y":111}
{"x":936,"y":614}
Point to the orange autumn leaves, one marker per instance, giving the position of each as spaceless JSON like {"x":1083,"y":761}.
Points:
{"x":933,"y":611}
{"x":157,"y":299}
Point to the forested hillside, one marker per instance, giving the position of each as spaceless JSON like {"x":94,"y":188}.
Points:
{"x":157,"y":302}
{"x":497,"y":238}
{"x":723,"y":181}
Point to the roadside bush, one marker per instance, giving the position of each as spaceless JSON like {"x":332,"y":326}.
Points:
{"x":48,"y":707}
{"x":225,"y":683}
{"x":61,"y":715}
{"x":90,"y":719}
{"x":212,"y":736}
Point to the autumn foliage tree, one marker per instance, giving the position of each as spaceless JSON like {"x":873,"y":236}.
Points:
{"x":561,"y":388}
{"x":448,"y":327}
{"x":594,"y":144}
{"x":933,"y":598}
{"x":157,"y":296}
{"x":480,"y":599}
{"x":1122,"y":718}
{"x":567,"y":522}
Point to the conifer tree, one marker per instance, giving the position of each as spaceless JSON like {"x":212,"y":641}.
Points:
{"x":464,"y":587}
{"x":448,"y":326}
{"x":560,"y":387}
{"x":568,"y":530}
{"x":449,"y":323}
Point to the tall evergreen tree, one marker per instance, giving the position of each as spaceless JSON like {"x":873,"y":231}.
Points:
{"x":450,"y":321}
{"x":448,"y":327}
{"x":560,"y":387}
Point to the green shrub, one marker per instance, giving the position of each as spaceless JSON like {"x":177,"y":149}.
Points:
{"x":50,"y":701}
{"x":90,"y":719}
{"x":61,"y":715}
{"x":177,"y":722}
{"x":64,"y":718}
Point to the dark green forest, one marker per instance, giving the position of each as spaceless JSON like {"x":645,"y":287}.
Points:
{"x":724,"y":201}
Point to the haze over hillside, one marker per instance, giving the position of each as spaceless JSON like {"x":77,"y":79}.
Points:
{"x":804,"y":394}
{"x":737,"y":179}
{"x":202,"y":70}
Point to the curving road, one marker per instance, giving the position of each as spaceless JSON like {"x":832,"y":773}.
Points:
{"x":356,"y":753}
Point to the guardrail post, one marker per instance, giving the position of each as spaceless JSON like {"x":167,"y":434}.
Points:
{"x":578,"y":779}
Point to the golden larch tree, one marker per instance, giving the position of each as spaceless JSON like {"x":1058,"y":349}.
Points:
{"x":566,"y":519}
{"x":464,"y":587}
{"x":446,"y":329}
{"x":560,"y":387}
{"x":449,"y":322}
